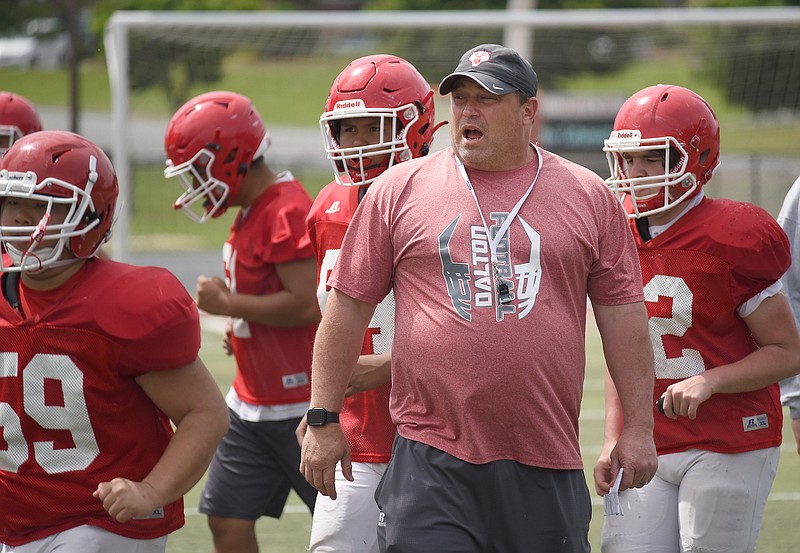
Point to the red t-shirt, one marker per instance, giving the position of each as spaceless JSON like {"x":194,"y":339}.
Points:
{"x":480,"y":380}
{"x":73,"y":415}
{"x":365,"y":416}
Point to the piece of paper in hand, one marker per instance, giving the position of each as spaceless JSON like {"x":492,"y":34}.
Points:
{"x":611,"y":499}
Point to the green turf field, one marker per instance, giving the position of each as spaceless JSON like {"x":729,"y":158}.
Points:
{"x":290,"y":533}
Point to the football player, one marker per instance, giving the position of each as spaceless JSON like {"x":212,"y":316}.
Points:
{"x":17,"y":119}
{"x":215,"y":145}
{"x":98,"y":358}
{"x":379,"y":112}
{"x":722,"y":333}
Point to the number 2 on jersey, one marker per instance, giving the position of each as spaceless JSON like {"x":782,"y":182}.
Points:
{"x":690,"y":362}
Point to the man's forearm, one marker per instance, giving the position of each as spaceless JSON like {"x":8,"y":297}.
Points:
{"x":629,"y":355}
{"x":336,"y":348}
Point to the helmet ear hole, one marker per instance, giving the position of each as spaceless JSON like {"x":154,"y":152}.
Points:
{"x":89,"y":217}
{"x":88,"y":244}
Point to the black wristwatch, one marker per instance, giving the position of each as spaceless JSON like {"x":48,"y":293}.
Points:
{"x":319,"y":416}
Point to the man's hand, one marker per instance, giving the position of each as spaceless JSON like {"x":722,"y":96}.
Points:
{"x":323,"y":447}
{"x":635,"y":451}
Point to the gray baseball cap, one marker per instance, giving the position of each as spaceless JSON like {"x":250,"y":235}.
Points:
{"x":498,"y":69}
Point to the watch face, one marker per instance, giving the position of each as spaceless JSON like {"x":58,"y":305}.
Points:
{"x":317,"y":416}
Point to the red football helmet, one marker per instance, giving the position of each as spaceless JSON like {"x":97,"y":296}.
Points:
{"x":210,"y":143}
{"x":682,"y":127}
{"x":17,"y":118}
{"x":380,"y":86}
{"x":57,"y":167}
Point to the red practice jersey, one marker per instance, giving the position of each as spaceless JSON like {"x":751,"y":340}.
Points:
{"x":72,"y":413}
{"x":696,"y":274}
{"x":273,"y":363}
{"x":365,"y":418}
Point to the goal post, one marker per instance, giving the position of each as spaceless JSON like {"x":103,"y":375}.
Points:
{"x":562,"y":45}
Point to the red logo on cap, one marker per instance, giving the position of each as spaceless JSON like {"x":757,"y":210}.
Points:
{"x":479,"y":57}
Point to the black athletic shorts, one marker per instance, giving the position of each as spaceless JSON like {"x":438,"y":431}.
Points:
{"x":253,"y":470}
{"x":432,"y":502}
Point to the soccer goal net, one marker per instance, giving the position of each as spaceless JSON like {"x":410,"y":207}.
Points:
{"x":745,"y":61}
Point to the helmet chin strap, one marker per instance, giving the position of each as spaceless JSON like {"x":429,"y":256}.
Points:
{"x":21,"y":259}
{"x":43,"y":257}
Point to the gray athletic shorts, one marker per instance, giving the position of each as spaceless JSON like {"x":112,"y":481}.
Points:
{"x":253,"y":470}
{"x":433,"y":502}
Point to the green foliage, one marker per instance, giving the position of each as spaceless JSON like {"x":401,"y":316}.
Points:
{"x":450,"y":44}
{"x":435,"y":4}
{"x":175,"y":69}
{"x":103,"y":9}
{"x":762,"y":74}
{"x":15,"y":13}
{"x":738,"y":3}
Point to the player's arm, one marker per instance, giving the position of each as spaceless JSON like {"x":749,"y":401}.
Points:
{"x":191,"y":399}
{"x":336,"y":350}
{"x":777,"y":357}
{"x":295,"y":305}
{"x":371,"y":372}
{"x":629,"y":358}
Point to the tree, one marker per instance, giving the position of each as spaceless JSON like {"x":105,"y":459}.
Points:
{"x":17,"y":12}
{"x":762,"y":73}
{"x":160,"y":61}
